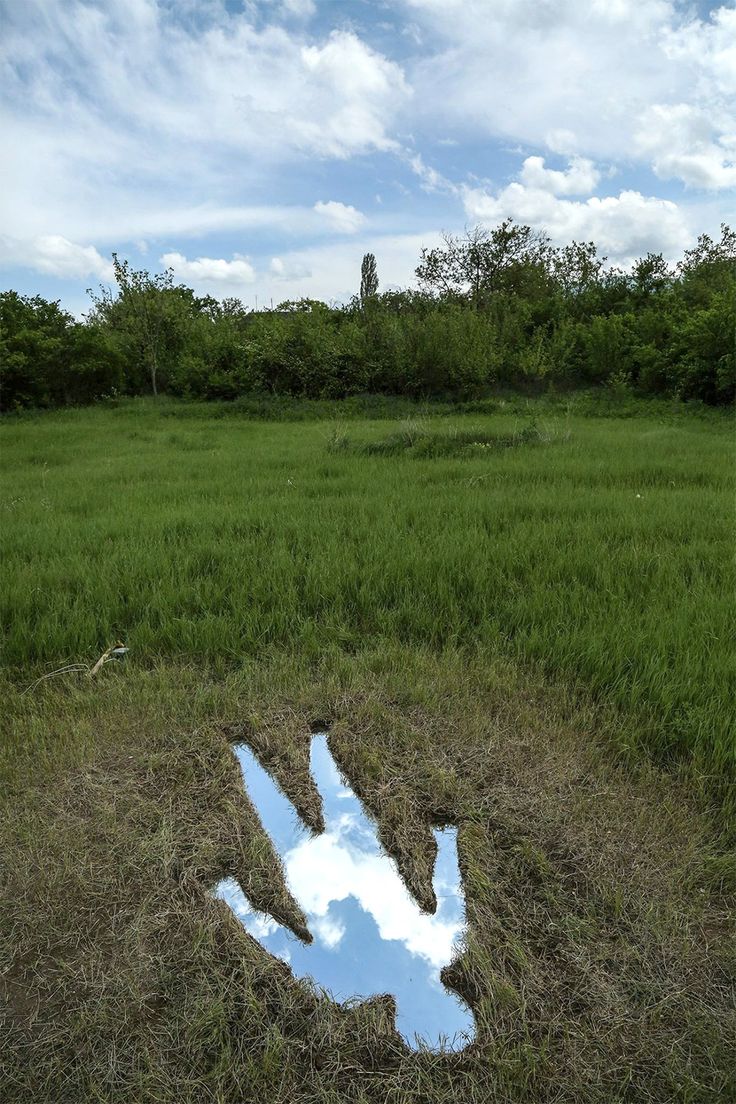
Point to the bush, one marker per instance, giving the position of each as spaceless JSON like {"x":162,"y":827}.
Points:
{"x":47,"y":359}
{"x":557,"y":319}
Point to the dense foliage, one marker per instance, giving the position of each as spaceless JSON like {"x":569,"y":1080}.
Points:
{"x":48,"y":359}
{"x":500,"y":307}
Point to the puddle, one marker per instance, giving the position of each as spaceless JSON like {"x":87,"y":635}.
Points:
{"x":369,"y":934}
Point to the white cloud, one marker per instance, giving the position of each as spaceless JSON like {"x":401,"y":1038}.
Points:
{"x":624,"y":226}
{"x":60,"y":257}
{"x":581,"y":78}
{"x":116,"y":115}
{"x":136,"y":222}
{"x":328,"y":930}
{"x":329,"y":270}
{"x":340,"y":216}
{"x":55,"y":255}
{"x":683,"y":142}
{"x":157,"y":121}
{"x":367,"y":88}
{"x":580,"y":177}
{"x":559,"y":140}
{"x":211,"y":270}
{"x":324,"y":869}
{"x":431,"y":179}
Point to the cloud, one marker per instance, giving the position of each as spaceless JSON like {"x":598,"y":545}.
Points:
{"x":340,"y":216}
{"x":328,"y":930}
{"x":324,"y":869}
{"x":581,"y":78}
{"x":211,"y":270}
{"x":135,"y":112}
{"x":328,"y":270}
{"x":162,"y":122}
{"x":431,"y":179}
{"x":624,"y":226}
{"x":580,"y":178}
{"x":55,"y":255}
{"x":682,"y":143}
{"x":366,"y":87}
{"x":331,"y":270}
{"x":559,"y":140}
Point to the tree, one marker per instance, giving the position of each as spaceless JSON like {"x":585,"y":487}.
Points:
{"x":650,"y":275}
{"x":144,"y":308}
{"x":368,"y":277}
{"x":47,"y":359}
{"x":709,"y":267}
{"x":576,"y":267}
{"x":483,"y":261}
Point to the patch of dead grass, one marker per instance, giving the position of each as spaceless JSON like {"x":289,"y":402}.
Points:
{"x":599,"y":961}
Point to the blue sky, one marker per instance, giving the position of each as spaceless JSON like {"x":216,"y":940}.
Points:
{"x":260,"y":148}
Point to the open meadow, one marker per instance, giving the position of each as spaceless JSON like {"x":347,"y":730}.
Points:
{"x":516,"y":619}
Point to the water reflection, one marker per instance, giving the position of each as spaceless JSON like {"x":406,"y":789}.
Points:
{"x":370,"y":936}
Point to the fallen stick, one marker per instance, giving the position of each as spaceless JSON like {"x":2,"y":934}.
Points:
{"x":115,"y":651}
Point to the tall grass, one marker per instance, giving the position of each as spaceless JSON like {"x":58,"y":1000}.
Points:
{"x":605,"y":558}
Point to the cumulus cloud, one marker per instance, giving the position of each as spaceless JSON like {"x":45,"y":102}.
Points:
{"x":55,"y":255}
{"x":142,"y":121}
{"x":623,"y":226}
{"x":341,"y":216}
{"x":364,"y":88}
{"x":60,"y":257}
{"x":580,"y":177}
{"x":682,"y":143}
{"x":211,"y":270}
{"x":323,"y":869}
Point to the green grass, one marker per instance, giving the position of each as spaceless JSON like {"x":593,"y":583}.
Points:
{"x":604,"y":557}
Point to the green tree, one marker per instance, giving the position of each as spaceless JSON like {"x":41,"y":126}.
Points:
{"x":48,"y":359}
{"x":576,"y":268}
{"x":483,"y":262}
{"x":145,"y":309}
{"x":368,"y":277}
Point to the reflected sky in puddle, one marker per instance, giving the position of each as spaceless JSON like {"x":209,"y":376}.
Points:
{"x":369,"y":935}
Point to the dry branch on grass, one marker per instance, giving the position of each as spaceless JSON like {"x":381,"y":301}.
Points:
{"x":115,"y":651}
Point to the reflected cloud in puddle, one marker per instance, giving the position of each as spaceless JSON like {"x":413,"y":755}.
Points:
{"x":370,"y":936}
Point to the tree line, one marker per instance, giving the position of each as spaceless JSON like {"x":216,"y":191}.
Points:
{"x":494,"y":308}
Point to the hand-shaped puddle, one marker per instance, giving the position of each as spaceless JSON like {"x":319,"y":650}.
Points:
{"x":370,"y":936}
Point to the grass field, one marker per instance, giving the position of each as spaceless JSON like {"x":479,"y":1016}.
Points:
{"x":517,"y":619}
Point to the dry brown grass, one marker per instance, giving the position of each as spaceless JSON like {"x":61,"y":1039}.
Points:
{"x":600,"y":952}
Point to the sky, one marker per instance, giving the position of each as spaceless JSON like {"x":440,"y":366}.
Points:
{"x":260,"y":147}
